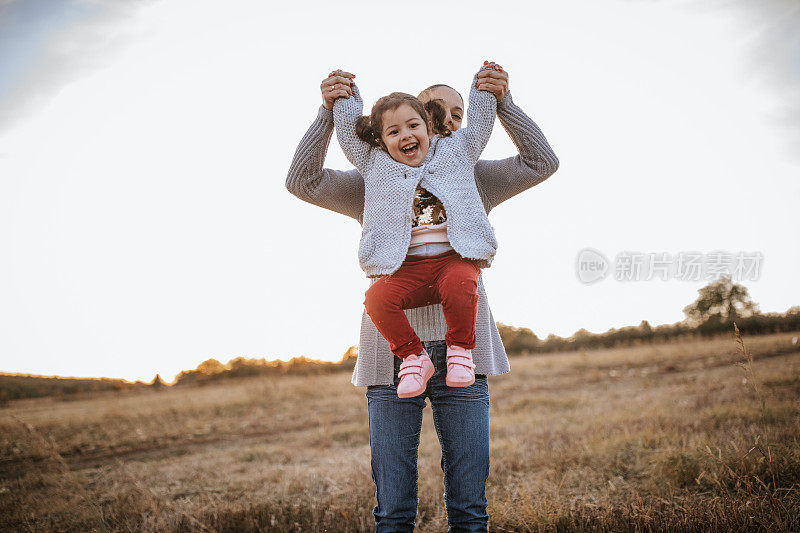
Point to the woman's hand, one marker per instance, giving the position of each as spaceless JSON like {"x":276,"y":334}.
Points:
{"x":492,"y":78}
{"x":336,"y":85}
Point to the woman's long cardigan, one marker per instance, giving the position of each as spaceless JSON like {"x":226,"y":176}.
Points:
{"x":497,"y":181}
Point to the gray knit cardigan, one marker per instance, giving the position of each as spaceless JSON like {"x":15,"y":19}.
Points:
{"x":447,"y":172}
{"x":497,"y":181}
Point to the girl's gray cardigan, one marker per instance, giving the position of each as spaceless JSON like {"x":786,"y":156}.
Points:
{"x":497,"y":181}
{"x":389,"y":186}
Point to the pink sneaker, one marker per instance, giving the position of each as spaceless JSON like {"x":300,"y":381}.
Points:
{"x":460,"y":368}
{"x":415,"y":371}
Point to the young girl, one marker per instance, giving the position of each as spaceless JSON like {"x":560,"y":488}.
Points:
{"x":420,"y":191}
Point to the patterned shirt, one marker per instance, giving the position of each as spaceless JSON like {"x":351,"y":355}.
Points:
{"x":428,"y":210}
{"x":430,"y":219}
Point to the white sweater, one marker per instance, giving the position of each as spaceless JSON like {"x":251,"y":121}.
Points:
{"x":389,"y":186}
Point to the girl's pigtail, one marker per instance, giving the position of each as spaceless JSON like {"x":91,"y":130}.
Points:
{"x":366,"y":131}
{"x":437,"y":114}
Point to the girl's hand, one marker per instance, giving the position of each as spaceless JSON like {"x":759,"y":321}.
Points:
{"x":336,"y":85}
{"x":492,"y":78}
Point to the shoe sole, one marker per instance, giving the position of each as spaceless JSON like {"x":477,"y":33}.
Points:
{"x":429,"y":373}
{"x":459,"y":383}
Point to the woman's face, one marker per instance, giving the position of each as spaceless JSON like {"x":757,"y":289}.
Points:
{"x":453,"y":105}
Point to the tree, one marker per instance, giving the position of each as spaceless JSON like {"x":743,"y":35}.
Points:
{"x":351,"y":353}
{"x":518,"y":339}
{"x":722,"y":301}
{"x":210,"y":366}
{"x":646,"y":330}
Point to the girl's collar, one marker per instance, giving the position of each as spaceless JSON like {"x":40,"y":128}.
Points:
{"x":432,"y":148}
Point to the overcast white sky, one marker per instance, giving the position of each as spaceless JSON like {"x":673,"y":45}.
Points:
{"x":144,"y":222}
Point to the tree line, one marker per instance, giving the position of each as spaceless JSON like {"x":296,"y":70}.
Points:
{"x":718,"y":306}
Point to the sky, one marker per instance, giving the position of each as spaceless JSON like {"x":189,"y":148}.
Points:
{"x":145,"y":225}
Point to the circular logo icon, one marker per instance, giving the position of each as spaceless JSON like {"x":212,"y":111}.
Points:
{"x":591,"y":266}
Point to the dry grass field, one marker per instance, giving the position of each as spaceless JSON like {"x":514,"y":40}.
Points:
{"x":674,"y":437}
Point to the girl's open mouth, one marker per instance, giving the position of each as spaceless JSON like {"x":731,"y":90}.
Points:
{"x":411,"y":150}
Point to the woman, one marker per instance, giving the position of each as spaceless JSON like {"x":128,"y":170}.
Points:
{"x":395,"y":423}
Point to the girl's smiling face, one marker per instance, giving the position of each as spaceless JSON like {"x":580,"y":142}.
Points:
{"x":405,"y":135}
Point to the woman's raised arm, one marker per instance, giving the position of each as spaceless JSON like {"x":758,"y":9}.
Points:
{"x":339,"y":191}
{"x":500,"y":180}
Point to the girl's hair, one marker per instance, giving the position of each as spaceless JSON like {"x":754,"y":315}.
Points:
{"x":369,"y":128}
{"x":437,"y":113}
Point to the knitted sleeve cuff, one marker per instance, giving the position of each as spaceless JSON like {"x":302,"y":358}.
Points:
{"x":505,"y":103}
{"x":325,"y":115}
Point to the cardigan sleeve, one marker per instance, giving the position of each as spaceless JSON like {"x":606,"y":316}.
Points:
{"x":481,"y":113}
{"x":500,"y":180}
{"x":346,"y":111}
{"x":339,"y":191}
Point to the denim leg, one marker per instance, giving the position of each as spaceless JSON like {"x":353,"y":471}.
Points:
{"x":394,"y":429}
{"x":461,"y":417}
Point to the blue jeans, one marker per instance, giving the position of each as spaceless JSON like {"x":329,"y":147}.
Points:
{"x":461,"y":417}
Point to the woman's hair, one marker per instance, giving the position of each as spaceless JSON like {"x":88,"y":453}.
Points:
{"x":369,"y":128}
{"x":425,"y":95}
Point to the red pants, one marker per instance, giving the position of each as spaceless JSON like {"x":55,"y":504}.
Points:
{"x":446,"y":278}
